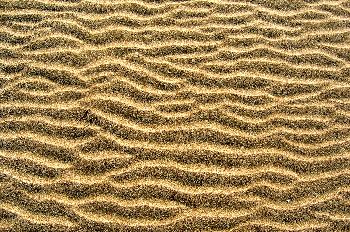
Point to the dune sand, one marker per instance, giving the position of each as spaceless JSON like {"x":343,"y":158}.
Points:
{"x":166,"y":115}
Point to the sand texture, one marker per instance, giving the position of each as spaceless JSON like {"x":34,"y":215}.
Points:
{"x":197,"y":115}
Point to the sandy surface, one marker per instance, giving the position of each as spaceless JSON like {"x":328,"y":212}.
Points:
{"x":174,"y":115}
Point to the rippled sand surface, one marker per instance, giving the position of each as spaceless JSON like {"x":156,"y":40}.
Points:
{"x":174,"y":116}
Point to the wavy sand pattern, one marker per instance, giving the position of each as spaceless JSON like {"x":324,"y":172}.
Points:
{"x":166,"y":115}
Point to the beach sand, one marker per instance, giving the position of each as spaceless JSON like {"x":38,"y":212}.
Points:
{"x":174,"y":116}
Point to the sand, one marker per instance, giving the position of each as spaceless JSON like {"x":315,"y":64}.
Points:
{"x":199,"y":115}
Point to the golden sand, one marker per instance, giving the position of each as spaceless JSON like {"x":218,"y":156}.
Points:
{"x":201,"y":115}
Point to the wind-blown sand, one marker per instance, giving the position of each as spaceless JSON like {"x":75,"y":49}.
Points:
{"x":175,"y":115}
